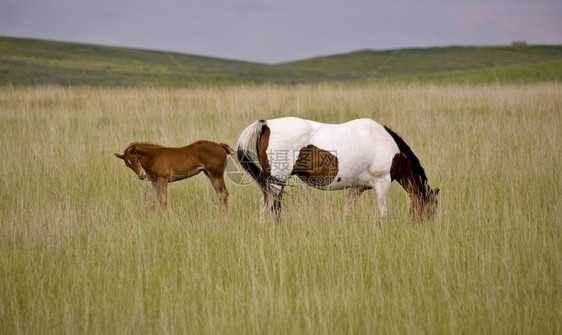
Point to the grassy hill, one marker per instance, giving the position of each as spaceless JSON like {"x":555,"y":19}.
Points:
{"x":28,"y":62}
{"x":447,"y":64}
{"x":31,"y":62}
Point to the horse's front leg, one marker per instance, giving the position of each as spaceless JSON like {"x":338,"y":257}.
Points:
{"x":382,"y":186}
{"x":162,"y":184}
{"x":153,"y":195}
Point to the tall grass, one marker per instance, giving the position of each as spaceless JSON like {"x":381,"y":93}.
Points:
{"x":80,"y":253}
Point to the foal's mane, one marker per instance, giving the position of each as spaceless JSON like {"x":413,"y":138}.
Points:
{"x":405,"y":149}
{"x":146,"y":145}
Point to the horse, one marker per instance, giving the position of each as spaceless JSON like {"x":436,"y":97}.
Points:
{"x":357,"y":155}
{"x":163,"y":165}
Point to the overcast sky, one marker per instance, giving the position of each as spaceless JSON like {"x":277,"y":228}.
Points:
{"x":272,"y":32}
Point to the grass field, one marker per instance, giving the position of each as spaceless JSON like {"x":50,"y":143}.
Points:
{"x":80,"y":253}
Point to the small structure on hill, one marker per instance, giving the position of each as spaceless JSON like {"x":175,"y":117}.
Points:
{"x":519,"y":43}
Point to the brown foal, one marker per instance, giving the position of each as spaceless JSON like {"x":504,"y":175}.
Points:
{"x":163,"y":165}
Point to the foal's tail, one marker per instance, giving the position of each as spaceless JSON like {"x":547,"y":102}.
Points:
{"x":227,"y":148}
{"x":248,"y":152}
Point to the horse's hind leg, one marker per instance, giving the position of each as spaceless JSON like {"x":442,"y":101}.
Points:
{"x":217,"y":180}
{"x":354,"y":194}
{"x":271,"y":201}
{"x":222,"y":192}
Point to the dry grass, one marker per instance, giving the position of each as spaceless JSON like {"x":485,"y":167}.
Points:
{"x":80,"y":254}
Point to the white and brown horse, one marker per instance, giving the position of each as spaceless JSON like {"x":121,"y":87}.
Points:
{"x":359,"y":155}
{"x":163,"y":165}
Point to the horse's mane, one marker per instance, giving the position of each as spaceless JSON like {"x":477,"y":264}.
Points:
{"x":145,"y":145}
{"x":405,"y":149}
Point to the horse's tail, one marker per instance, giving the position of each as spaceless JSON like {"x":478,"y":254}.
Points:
{"x":248,"y":149}
{"x":227,"y":148}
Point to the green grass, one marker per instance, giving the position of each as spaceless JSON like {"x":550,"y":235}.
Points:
{"x":80,"y":253}
{"x":38,"y":62}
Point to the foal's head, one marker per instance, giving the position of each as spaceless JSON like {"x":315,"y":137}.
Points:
{"x":132,"y":161}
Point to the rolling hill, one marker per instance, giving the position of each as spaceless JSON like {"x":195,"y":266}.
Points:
{"x":38,"y":62}
{"x":446,"y":64}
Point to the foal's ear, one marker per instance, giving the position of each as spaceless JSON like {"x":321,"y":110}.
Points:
{"x":133,"y":149}
{"x":119,"y":156}
{"x":436,"y":191}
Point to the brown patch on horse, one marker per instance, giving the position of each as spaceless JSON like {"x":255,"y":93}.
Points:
{"x":316,"y":167}
{"x":406,"y":167}
{"x":262,"y":148}
{"x":402,"y":171}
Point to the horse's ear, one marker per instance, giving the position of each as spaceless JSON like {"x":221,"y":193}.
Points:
{"x":436,"y":191}
{"x":138,"y":151}
{"x":119,"y":156}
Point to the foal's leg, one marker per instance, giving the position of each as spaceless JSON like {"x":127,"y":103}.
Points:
{"x":382,"y":186}
{"x":163,"y":191}
{"x":153,"y":195}
{"x":354,"y":193}
{"x":217,"y":180}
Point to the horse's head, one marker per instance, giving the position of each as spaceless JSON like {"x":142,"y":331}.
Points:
{"x":431,"y":202}
{"x":131,"y":160}
{"x":424,"y":205}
